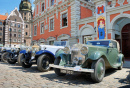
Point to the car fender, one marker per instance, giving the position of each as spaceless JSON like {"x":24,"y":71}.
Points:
{"x":22,"y":52}
{"x":121,"y":58}
{"x":58,"y":53}
{"x":44,"y":52}
{"x":96,"y":55}
{"x":9,"y":51}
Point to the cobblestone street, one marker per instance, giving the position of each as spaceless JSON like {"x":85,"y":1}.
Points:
{"x":14,"y":76}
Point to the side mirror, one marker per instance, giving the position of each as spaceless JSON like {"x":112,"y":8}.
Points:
{"x":110,"y":45}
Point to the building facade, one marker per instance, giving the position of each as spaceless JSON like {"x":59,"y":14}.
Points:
{"x":77,"y":21}
{"x":2,"y":28}
{"x":25,"y":9}
{"x":14,"y":29}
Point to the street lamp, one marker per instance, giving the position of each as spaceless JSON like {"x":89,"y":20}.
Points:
{"x":10,"y":35}
{"x":10,"y":32}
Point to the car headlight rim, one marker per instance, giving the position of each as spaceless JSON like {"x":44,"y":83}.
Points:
{"x":66,"y":50}
{"x":84,"y":50}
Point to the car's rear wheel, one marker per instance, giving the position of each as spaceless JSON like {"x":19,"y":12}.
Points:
{"x":57,"y":71}
{"x":26,"y":65}
{"x":25,"y":62}
{"x":10,"y":60}
{"x":20,"y":57}
{"x":4,"y":57}
{"x":43,"y":63}
{"x":99,"y":70}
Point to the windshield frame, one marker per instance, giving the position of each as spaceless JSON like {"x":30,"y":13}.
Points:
{"x":99,"y":42}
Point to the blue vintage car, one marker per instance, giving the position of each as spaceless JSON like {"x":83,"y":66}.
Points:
{"x":42,"y":55}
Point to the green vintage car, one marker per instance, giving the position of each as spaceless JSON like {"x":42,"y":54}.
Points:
{"x":94,"y":57}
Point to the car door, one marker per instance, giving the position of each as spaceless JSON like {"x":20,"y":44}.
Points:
{"x":113,"y":54}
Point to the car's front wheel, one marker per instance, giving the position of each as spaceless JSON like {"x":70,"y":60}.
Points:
{"x":4,"y":57}
{"x":57,"y":71}
{"x":43,"y":63}
{"x":99,"y":70}
{"x":120,"y":67}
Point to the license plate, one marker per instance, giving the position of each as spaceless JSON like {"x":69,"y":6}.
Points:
{"x":32,"y":57}
{"x":66,"y":71}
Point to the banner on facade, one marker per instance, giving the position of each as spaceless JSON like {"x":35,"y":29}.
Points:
{"x":101,"y":21}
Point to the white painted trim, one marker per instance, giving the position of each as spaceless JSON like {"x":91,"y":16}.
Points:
{"x":116,"y":18}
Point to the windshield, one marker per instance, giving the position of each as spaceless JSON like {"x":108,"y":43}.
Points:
{"x":98,"y":43}
{"x":60,"y":43}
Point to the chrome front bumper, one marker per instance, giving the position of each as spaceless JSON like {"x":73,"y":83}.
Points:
{"x":77,"y":68}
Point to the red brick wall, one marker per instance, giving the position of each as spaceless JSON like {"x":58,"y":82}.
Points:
{"x":85,"y":12}
{"x":57,"y":30}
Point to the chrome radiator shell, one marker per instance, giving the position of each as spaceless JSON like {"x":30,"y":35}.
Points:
{"x":76,"y":56}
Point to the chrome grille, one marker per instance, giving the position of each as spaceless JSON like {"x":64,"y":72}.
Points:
{"x":76,"y":56}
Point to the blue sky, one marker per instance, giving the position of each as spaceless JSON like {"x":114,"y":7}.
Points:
{"x":6,"y":6}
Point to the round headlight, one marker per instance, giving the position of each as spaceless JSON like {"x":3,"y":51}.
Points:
{"x":66,"y":50}
{"x":84,"y":50}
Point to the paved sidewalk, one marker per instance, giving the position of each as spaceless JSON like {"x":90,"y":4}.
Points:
{"x":126,"y":64}
{"x":14,"y":76}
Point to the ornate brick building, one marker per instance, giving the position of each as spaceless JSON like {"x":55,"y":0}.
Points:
{"x":77,"y":21}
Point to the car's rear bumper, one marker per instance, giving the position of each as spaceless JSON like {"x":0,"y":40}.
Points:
{"x":77,"y":68}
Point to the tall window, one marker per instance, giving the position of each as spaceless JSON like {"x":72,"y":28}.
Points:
{"x":26,"y":26}
{"x":35,"y":30}
{"x":18,"y":25}
{"x":42,"y":6}
{"x":42,"y":28}
{"x":52,"y":2}
{"x":15,"y":25}
{"x":15,"y":40}
{"x":19,"y":40}
{"x":19,"y":35}
{"x":51,"y":24}
{"x":0,"y":28}
{"x":14,"y":30}
{"x":51,"y":42}
{"x":1,"y":23}
{"x":19,"y":30}
{"x":24,"y":18}
{"x":64,"y":19}
{"x":0,"y":34}
{"x":26,"y":33}
{"x":15,"y":35}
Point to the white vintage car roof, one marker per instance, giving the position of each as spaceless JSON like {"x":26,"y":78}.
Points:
{"x":51,"y":48}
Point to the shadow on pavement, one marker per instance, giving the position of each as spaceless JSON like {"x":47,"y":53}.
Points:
{"x":32,"y":69}
{"x":72,"y":79}
{"x":125,"y":80}
{"x":108,"y":72}
{"x":69,"y":79}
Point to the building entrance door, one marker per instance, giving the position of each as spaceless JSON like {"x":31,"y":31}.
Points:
{"x":126,"y":41}
{"x":86,"y":38}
